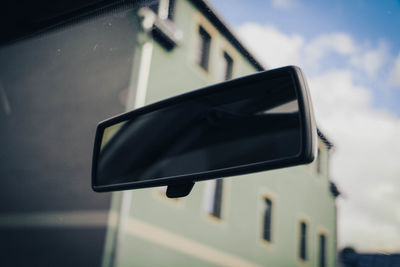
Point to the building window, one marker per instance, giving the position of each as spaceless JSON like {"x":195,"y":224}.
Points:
{"x":214,"y":198}
{"x":318,"y":161}
{"x":322,"y":250}
{"x":267,"y":220}
{"x":303,"y":241}
{"x":171,"y":9}
{"x":154,"y":6}
{"x":228,"y":66}
{"x":203,"y":52}
{"x":164,"y":8}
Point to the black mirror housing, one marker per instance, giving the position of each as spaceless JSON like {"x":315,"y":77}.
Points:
{"x":259,"y":122}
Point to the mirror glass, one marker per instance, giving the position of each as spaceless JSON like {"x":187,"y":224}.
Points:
{"x":249,"y":122}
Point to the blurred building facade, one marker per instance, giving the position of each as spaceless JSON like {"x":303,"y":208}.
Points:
{"x":277,"y":218}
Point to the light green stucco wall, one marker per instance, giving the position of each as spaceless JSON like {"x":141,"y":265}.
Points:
{"x":297,"y":193}
{"x":175,"y":72}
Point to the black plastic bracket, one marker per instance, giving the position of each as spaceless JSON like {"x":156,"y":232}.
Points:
{"x":179,"y":189}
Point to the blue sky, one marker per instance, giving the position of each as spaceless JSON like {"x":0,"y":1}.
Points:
{"x":350,"y":53}
{"x":364,"y":19}
{"x":368,"y":22}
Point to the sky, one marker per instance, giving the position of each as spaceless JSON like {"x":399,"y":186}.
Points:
{"x":350,"y":54}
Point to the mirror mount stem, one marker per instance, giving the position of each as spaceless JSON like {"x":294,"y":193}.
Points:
{"x":179,"y":189}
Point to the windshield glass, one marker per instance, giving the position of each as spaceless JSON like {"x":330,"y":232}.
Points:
{"x":55,"y":87}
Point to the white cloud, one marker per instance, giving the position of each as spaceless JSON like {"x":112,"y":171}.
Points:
{"x":335,"y":94}
{"x":367,"y":139}
{"x":283,"y":3}
{"x":365,"y":162}
{"x":394,"y":78}
{"x":289,"y":49}
{"x":365,"y":232}
{"x":276,"y":49}
{"x":372,"y":60}
{"x":272,"y":46}
{"x":339,"y":43}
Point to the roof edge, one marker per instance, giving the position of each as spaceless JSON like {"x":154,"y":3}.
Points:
{"x":324,"y":139}
{"x":210,"y":13}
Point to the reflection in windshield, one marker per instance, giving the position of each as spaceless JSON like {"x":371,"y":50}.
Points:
{"x":55,"y":87}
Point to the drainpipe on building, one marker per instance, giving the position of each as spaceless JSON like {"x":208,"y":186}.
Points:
{"x":121,"y":201}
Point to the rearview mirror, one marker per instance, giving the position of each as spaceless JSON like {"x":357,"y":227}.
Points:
{"x":259,"y":122}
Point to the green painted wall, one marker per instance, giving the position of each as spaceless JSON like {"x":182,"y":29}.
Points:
{"x":297,"y":193}
{"x":175,"y":72}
